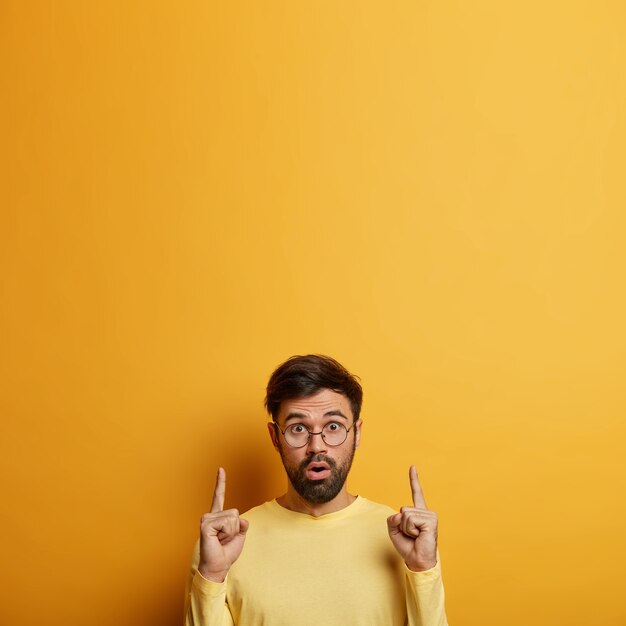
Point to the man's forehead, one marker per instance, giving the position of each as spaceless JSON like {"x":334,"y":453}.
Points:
{"x":322,"y":402}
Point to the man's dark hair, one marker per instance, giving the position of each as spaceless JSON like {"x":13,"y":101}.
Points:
{"x":303,"y":376}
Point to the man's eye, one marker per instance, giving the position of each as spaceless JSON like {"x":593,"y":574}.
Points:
{"x":297,"y":429}
{"x":333,"y":427}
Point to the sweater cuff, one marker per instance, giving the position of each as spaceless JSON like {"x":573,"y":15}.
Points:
{"x":208,"y":588}
{"x":426,"y":577}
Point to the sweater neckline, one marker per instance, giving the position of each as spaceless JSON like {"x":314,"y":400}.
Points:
{"x":335,"y":515}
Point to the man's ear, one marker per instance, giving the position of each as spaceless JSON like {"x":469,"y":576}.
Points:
{"x":273,"y":431}
{"x":357,"y":432}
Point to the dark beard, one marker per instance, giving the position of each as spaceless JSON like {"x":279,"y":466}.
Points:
{"x":319,"y":491}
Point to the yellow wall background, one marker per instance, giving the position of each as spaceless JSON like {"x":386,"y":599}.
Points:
{"x":431,"y":192}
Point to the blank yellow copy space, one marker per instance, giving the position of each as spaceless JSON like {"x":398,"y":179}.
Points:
{"x":433,"y":193}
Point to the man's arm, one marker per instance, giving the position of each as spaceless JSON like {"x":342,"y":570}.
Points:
{"x":413,"y":532}
{"x":205,"y":600}
{"x":222,"y":535}
{"x":425,"y":598}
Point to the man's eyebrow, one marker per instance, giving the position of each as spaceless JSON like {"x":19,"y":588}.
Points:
{"x":294,"y":415}
{"x":332,"y":413}
{"x":335,"y":412}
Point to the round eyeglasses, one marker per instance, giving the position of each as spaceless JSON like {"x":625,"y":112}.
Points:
{"x":298,"y":436}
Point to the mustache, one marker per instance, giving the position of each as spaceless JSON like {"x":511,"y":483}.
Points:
{"x":318,"y":458}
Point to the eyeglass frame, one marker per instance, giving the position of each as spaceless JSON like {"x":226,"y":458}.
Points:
{"x":311,"y":433}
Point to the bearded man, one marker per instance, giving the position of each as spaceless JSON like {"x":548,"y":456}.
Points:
{"x":316,"y":555}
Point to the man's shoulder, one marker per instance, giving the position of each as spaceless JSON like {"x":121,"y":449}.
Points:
{"x":261,"y":510}
{"x":376,"y":507}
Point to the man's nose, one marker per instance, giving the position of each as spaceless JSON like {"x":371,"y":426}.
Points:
{"x":316,"y":443}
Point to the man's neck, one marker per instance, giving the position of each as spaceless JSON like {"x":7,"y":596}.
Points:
{"x":294,"y":502}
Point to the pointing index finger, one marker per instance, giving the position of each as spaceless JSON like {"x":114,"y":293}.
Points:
{"x":416,"y":489}
{"x":220,"y":491}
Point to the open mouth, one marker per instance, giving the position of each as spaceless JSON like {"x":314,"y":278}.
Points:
{"x":317,"y":471}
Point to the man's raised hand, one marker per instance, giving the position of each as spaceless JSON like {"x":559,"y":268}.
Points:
{"x":222,"y":535}
{"x":413,"y":531}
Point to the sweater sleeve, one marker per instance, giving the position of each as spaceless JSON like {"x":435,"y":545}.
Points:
{"x":425,"y":597}
{"x":205,"y":600}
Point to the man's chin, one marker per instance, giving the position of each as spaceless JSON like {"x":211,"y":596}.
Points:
{"x":318,"y":491}
{"x":316,"y":497}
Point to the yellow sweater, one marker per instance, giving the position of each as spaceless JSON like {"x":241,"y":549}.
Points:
{"x":339,"y":569}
